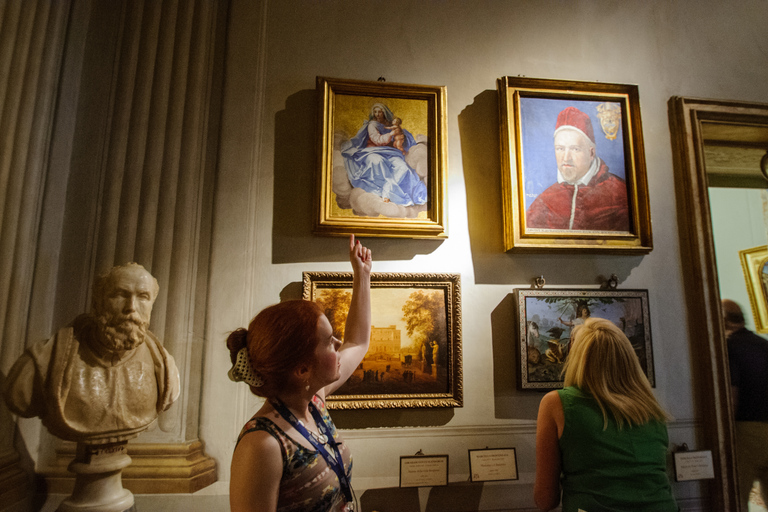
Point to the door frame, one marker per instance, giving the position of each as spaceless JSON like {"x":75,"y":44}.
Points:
{"x":708,"y":351}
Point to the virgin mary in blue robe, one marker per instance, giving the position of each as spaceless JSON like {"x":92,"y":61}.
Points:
{"x":376,"y":166}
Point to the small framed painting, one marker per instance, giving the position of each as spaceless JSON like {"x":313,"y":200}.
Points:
{"x":573,"y":167}
{"x":414,"y":358}
{"x":382,"y":159}
{"x":754,"y":263}
{"x":547,"y":319}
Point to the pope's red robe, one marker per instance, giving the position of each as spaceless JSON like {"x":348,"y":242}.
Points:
{"x":600,"y":205}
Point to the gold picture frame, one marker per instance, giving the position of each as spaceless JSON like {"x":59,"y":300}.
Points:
{"x":547,"y":319}
{"x":415,"y":357}
{"x":381,"y":176}
{"x":552,"y":201}
{"x":754,"y":263}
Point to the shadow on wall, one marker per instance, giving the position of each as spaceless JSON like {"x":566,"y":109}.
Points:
{"x":393,"y":498}
{"x":388,"y":418}
{"x":480,"y":149}
{"x":295,"y":176}
{"x":509,"y":401}
{"x":456,"y":497}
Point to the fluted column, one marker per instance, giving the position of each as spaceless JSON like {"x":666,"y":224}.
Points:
{"x":155,"y":179}
{"x":31,"y":46}
{"x":151,"y":206}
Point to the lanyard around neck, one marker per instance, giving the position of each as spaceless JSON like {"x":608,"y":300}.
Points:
{"x":335,"y":462}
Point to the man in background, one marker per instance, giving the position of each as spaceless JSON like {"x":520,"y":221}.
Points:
{"x":748,"y":362}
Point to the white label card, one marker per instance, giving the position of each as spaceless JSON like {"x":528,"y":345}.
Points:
{"x":493,"y":464}
{"x":694,"y":465}
{"x":424,"y":471}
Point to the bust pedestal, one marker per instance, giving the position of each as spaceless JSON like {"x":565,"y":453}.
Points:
{"x":98,"y":480}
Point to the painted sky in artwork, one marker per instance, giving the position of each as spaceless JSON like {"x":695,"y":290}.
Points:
{"x":536,"y":306}
{"x":387,"y":308}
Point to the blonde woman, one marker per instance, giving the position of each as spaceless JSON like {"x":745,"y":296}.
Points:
{"x":602,"y":439}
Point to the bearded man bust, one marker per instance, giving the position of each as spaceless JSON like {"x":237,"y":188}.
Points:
{"x":104,"y":378}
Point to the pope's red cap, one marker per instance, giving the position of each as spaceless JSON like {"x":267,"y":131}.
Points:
{"x":574,"y":119}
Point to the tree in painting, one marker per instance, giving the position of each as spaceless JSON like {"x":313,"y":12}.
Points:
{"x":335,"y":303}
{"x":424,"y":315}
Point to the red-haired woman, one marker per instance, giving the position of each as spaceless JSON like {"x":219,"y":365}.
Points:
{"x":288,"y":456}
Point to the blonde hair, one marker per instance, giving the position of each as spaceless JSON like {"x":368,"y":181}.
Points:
{"x":603,"y":363}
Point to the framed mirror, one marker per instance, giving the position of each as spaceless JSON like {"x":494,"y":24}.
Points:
{"x":693,"y":122}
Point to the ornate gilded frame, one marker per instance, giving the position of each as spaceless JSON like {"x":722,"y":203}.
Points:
{"x":344,"y":105}
{"x":403,"y":377}
{"x":528,"y":113}
{"x":543,"y":353}
{"x":752,"y":262}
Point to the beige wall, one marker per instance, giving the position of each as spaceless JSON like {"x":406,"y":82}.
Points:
{"x":262,"y":219}
{"x":661,"y":46}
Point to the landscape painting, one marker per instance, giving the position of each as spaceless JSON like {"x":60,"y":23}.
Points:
{"x":414,"y":358}
{"x":547,"y":319}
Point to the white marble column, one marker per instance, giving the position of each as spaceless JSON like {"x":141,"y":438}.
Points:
{"x":154,"y":205}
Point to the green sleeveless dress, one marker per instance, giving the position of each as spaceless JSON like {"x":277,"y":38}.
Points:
{"x":611,"y":470}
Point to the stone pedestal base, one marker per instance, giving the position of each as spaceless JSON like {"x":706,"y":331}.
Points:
{"x":155,"y":468}
{"x":98,"y":480}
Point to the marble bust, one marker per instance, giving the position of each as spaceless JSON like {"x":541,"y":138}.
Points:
{"x":105,"y":377}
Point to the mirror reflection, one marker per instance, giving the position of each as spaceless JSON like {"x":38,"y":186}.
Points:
{"x":739,"y":207}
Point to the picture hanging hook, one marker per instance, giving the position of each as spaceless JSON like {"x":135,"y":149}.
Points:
{"x":613,"y":282}
{"x":539,"y":282}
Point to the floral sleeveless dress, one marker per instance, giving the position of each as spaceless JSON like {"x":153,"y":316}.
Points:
{"x":308,"y":484}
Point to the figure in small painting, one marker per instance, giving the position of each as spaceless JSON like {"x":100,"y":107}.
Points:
{"x":582,"y":313}
{"x":533,"y":339}
{"x":586,"y":196}
{"x":385,"y":168}
{"x":398,"y":138}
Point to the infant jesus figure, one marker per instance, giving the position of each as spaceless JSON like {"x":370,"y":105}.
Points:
{"x":398,"y":139}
